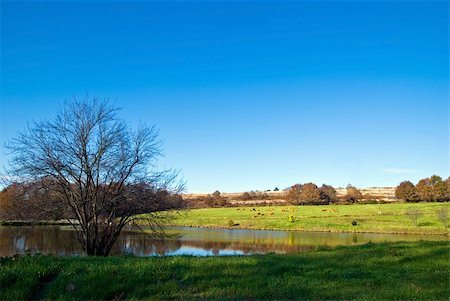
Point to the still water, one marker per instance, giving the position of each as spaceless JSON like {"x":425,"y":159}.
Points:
{"x":60,"y":240}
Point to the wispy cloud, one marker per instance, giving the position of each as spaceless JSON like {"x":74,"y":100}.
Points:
{"x":399,"y":170}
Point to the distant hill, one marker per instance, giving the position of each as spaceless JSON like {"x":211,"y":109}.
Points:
{"x":379,"y":193}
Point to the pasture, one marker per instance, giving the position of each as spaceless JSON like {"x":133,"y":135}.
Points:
{"x":374,"y":218}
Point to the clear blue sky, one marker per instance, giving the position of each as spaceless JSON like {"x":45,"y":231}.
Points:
{"x":247,"y":95}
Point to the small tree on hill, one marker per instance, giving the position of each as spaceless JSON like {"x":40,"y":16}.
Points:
{"x":216,"y":194}
{"x":353,"y":194}
{"x":245,"y":196}
{"x":328,"y":193}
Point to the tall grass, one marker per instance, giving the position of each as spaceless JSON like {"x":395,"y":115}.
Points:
{"x":387,"y":271}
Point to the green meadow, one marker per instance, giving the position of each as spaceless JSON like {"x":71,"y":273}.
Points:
{"x":375,"y":218}
{"x":386,"y":271}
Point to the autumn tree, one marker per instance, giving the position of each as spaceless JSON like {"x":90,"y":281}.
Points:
{"x":7,"y":211}
{"x":307,"y":193}
{"x":310,"y":194}
{"x":293,"y":195}
{"x":432,"y":189}
{"x":406,"y":191}
{"x":97,"y":166}
{"x":328,"y":193}
{"x":353,"y":194}
{"x":438,"y":188}
{"x":424,"y":191}
{"x":33,"y":201}
{"x":447,"y":185}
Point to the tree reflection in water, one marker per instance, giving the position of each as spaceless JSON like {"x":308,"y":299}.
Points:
{"x":60,"y":240}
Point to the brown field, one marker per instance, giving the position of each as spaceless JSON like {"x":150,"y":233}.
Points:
{"x":377,"y":193}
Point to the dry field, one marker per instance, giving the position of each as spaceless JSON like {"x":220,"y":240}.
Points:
{"x":379,"y":193}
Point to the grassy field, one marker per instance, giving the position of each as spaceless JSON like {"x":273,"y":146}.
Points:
{"x":401,"y":271}
{"x":376,"y":218}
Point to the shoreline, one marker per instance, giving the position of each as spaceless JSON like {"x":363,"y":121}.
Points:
{"x":62,"y":223}
{"x":309,"y":230}
{"x":375,"y":219}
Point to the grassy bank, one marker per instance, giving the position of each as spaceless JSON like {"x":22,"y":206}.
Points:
{"x":416,"y":270}
{"x":375,"y":218}
{"x":35,"y":223}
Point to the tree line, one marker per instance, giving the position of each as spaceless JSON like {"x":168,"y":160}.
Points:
{"x":36,"y":201}
{"x":311,"y":194}
{"x":432,"y":189}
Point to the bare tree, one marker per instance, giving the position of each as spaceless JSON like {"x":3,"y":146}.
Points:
{"x":414,"y":214}
{"x":101,"y":169}
{"x":442,"y":215}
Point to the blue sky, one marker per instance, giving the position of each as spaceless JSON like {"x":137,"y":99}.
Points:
{"x":247,"y":95}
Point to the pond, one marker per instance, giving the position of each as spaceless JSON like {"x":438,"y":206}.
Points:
{"x":60,"y":240}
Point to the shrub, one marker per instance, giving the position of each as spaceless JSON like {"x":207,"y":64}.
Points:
{"x":353,"y":194}
{"x":231,"y":223}
{"x":216,"y":194}
{"x":414,"y":214}
{"x":209,"y":201}
{"x":222,"y":202}
{"x":328,"y":193}
{"x":245,"y":196}
{"x":442,"y":215}
{"x":262,"y":196}
{"x":252,"y":195}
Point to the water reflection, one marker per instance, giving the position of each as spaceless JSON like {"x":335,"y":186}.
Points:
{"x":60,"y":240}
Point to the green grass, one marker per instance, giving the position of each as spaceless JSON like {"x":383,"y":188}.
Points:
{"x":387,"y":271}
{"x":376,"y":218}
